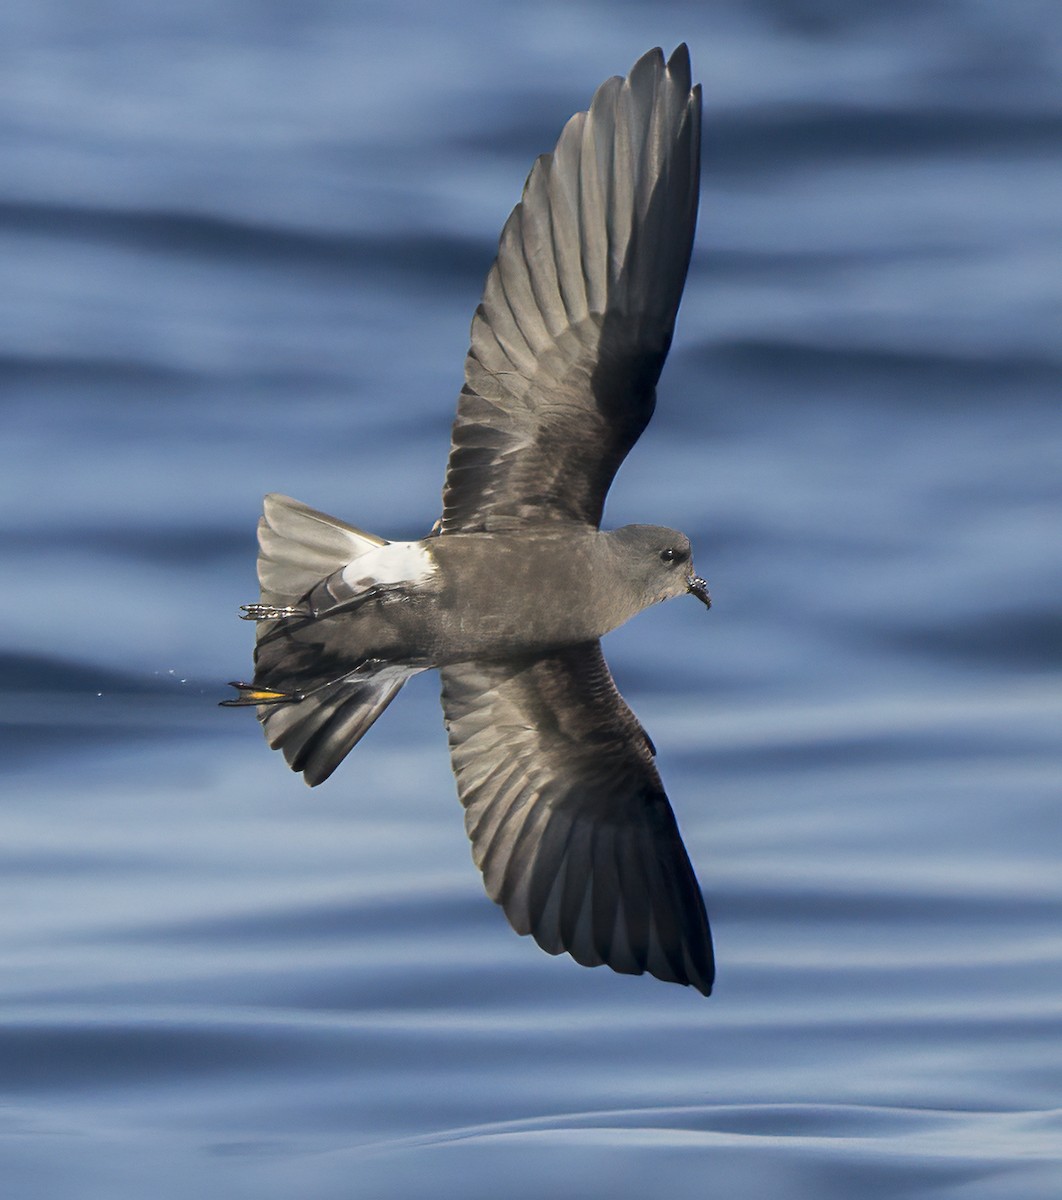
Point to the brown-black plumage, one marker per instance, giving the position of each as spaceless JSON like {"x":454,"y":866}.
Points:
{"x":568,"y":818}
{"x":578,"y":310}
{"x":566,"y":811}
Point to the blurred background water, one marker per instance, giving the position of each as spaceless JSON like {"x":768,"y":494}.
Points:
{"x":240,"y":246}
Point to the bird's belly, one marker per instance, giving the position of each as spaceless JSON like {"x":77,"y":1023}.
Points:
{"x":502,"y":624}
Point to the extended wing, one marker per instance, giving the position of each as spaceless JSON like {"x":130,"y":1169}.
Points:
{"x":568,"y":818}
{"x":579,"y":307}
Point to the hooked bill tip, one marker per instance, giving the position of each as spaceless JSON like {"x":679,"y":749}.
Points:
{"x":699,"y":588}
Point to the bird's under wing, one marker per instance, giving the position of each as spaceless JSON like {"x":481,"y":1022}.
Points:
{"x":579,"y":307}
{"x":568,"y":818}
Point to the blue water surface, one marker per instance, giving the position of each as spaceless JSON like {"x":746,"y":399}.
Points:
{"x":240,"y":247}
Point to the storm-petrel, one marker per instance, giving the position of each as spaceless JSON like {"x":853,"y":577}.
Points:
{"x":510,"y":593}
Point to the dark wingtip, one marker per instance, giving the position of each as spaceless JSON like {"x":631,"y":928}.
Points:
{"x":679,"y":63}
{"x":704,"y":986}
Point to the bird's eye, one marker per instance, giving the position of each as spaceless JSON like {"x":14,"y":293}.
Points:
{"x":667,"y":555}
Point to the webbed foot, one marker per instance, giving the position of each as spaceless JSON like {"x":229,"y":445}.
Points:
{"x":250,"y":694}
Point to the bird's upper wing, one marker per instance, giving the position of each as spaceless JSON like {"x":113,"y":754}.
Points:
{"x":568,"y":818}
{"x":579,"y":307}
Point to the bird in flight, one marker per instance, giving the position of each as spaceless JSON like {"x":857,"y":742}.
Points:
{"x":510,"y":594}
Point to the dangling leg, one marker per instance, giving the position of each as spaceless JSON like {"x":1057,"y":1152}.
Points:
{"x":273,"y":612}
{"x":253,"y":694}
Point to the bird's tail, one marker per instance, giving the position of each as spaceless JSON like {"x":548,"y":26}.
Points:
{"x":299,"y":546}
{"x":315,"y":728}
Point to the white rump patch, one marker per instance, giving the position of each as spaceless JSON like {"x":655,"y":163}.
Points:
{"x":395,"y":562}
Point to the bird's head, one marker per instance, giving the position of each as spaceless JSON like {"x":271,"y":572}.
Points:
{"x":661,"y":563}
